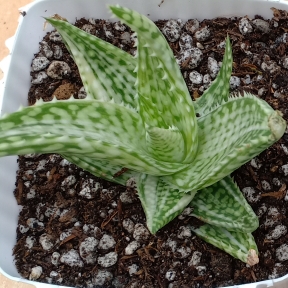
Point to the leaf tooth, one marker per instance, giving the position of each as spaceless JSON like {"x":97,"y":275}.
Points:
{"x":136,"y":82}
{"x":20,"y":108}
{"x":153,"y":54}
{"x":160,"y":66}
{"x":136,"y":69}
{"x":165,"y":76}
{"x":146,"y":45}
{"x":172,"y":87}
{"x":39,"y":102}
{"x":5,"y":115}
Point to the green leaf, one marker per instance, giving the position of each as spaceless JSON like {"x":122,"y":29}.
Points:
{"x":102,"y":169}
{"x":218,"y":92}
{"x":101,"y":130}
{"x":161,"y":85}
{"x":107,"y":72}
{"x":160,"y":202}
{"x":229,"y":136}
{"x":223,"y":205}
{"x":239,"y":245}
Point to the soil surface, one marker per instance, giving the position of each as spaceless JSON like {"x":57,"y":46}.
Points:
{"x":81,"y":231}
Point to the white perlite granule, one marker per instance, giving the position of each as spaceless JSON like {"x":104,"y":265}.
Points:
{"x":196,"y":258}
{"x":140,"y":233}
{"x":35,"y":273}
{"x":108,"y":260}
{"x":46,"y":241}
{"x":87,"y":250}
{"x":170,"y":275}
{"x":132,"y":247}
{"x":282,"y":252}
{"x":128,"y":225}
{"x":72,"y":258}
{"x":106,"y":242}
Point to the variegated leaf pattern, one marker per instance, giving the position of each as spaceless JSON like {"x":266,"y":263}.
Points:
{"x":160,"y":202}
{"x":102,"y":169}
{"x":229,"y":136}
{"x":223,"y":205}
{"x":159,"y":81}
{"x":237,"y":244}
{"x":99,"y":129}
{"x":107,"y":72}
{"x":218,"y":92}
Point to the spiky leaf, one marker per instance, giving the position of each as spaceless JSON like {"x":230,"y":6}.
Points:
{"x":229,"y":136}
{"x":239,"y":245}
{"x":222,"y":204}
{"x":160,"y":202}
{"x":159,"y":82}
{"x":107,"y":72}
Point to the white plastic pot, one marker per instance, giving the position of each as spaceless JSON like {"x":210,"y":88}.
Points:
{"x":29,"y":34}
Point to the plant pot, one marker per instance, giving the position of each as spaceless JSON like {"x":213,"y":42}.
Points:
{"x":26,"y":44}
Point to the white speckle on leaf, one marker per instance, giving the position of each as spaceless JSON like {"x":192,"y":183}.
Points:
{"x":108,"y":260}
{"x":35,"y":273}
{"x":71,"y":258}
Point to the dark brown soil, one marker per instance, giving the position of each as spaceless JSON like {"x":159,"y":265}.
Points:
{"x":70,"y":220}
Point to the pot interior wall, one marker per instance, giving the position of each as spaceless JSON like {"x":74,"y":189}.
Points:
{"x":30,"y":33}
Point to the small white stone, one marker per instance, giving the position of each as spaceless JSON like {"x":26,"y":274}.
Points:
{"x":46,"y":49}
{"x":82,"y":94}
{"x":285,"y":169}
{"x":276,"y":182}
{"x":284,"y":148}
{"x":250,"y":194}
{"x":196,"y":258}
{"x":23,"y":229}
{"x":261,"y":210}
{"x":282,"y":252}
{"x":172,"y":30}
{"x":189,"y":58}
{"x":33,"y":223}
{"x":128,"y":225}
{"x":131,"y":183}
{"x":265,"y":185}
{"x":102,"y":277}
{"x":184,"y":252}
{"x":108,"y":260}
{"x":132,"y":247}
{"x":31,"y":194}
{"x":46,"y":241}
{"x":125,"y":38}
{"x":58,"y":69}
{"x":206,"y":80}
{"x":277,"y":232}
{"x":35,"y":273}
{"x":30,"y":240}
{"x":88,"y":28}
{"x":192,"y":25}
{"x":170,"y":275}
{"x":234,"y":82}
{"x":68,"y":181}
{"x":172,"y":244}
{"x":201,"y":270}
{"x":213,"y":67}
{"x":132,"y":269}
{"x":275,"y":273}
{"x":55,"y":36}
{"x":119,"y":26}
{"x":58,"y":53}
{"x":261,"y":25}
{"x":244,"y":26}
{"x":39,"y":63}
{"x":247,"y":79}
{"x":203,"y":34}
{"x":39,"y":78}
{"x":184,"y":232}
{"x":53,"y":274}
{"x":55,"y":257}
{"x":88,"y":229}
{"x":71,"y":258}
{"x":186,"y":212}
{"x":87,"y":250}
{"x":195,"y":77}
{"x":64,"y":163}
{"x":106,"y":242}
{"x":185,"y":41}
{"x":126,"y":198}
{"x":270,"y":66}
{"x":140,"y":233}
{"x":89,"y":188}
{"x":255,"y":163}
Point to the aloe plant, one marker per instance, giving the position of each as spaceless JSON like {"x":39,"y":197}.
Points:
{"x":139,"y":115}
